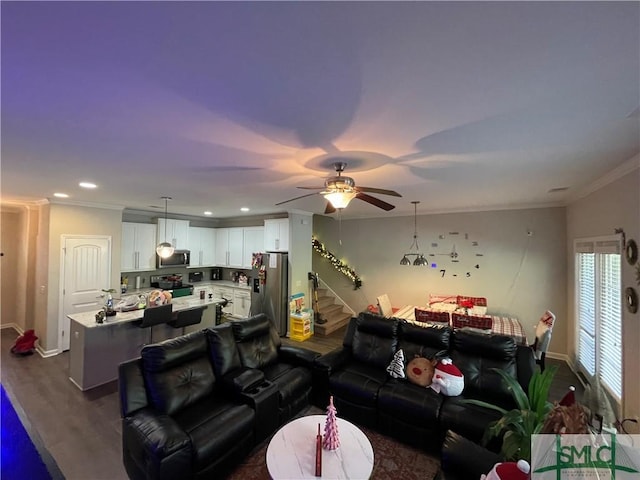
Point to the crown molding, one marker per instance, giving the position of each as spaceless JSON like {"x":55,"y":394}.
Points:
{"x":615,"y":174}
{"x":66,"y":202}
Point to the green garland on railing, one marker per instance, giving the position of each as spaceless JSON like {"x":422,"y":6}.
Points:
{"x":338,"y":264}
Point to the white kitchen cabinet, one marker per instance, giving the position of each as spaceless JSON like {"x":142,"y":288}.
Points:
{"x":253,"y":243}
{"x":177,"y":232}
{"x":241,"y":302}
{"x":229,"y":247}
{"x":276,"y":235}
{"x":224,"y":292}
{"x":138,"y":247}
{"x":202,"y":243}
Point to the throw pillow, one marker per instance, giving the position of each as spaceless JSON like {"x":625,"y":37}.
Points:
{"x":396,"y":367}
{"x":469,"y":321}
{"x":431,"y":316}
{"x":420,"y":371}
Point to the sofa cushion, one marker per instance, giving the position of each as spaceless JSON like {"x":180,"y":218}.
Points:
{"x":476,"y":355}
{"x":223,"y":351}
{"x":468,"y":420}
{"x":375,"y":339}
{"x":358,"y":383}
{"x":423,"y":341}
{"x":256,"y":345}
{"x":215,"y":424}
{"x":410,"y":403}
{"x":291,"y":381}
{"x":177,"y":372}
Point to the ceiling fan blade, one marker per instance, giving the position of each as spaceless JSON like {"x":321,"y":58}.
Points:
{"x":375,"y":201}
{"x":312,"y":188}
{"x":297,"y":198}
{"x":381,"y":191}
{"x":329,"y":208}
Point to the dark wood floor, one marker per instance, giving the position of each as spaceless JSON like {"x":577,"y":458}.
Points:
{"x":81,"y":430}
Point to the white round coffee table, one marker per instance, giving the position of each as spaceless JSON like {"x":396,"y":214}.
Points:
{"x":291,"y":453}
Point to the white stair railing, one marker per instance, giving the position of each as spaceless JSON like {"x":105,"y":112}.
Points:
{"x":340,"y":301}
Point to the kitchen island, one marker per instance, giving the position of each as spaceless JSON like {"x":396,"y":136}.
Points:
{"x":96,"y":349}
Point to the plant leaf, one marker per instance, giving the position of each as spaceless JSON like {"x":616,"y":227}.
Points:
{"x":480,"y":403}
{"x":516,"y":390}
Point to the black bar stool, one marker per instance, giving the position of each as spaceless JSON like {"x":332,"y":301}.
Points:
{"x":156,"y":316}
{"x":184,"y":318}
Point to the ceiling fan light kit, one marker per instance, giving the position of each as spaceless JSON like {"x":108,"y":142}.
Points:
{"x":339,"y":191}
{"x":420,"y":260}
{"x":165,"y":249}
{"x":339,"y":199}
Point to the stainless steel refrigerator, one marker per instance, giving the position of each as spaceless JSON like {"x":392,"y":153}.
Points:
{"x":272,"y":298}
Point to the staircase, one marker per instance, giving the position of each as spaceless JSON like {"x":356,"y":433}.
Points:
{"x":335,"y":315}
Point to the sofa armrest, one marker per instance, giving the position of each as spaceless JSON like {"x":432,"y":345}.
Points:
{"x":463,"y":459}
{"x":323,"y":367}
{"x":333,"y":360}
{"x":298,"y":356}
{"x":243,"y":379}
{"x":133,"y":395}
{"x":157,"y":445}
{"x":526,"y":365}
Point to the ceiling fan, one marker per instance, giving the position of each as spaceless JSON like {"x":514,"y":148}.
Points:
{"x":340,"y":190}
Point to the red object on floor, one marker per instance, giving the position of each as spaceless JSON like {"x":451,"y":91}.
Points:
{"x":25,"y":343}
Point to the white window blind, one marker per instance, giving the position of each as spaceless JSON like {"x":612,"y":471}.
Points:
{"x":599,"y":311}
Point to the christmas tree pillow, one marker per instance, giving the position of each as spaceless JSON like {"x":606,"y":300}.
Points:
{"x":396,"y":367}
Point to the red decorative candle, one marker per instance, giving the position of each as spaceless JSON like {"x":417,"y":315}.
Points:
{"x":318,"y":453}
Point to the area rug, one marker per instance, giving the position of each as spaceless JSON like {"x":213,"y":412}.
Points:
{"x":392,"y":459}
{"x":22,"y":454}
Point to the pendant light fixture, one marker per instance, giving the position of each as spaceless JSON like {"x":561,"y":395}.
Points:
{"x":419,"y":261}
{"x":165,"y":249}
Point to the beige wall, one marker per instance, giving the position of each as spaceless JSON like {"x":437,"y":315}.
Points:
{"x":10,"y":245}
{"x":74,"y":220}
{"x":521,"y":275}
{"x":301,"y":231}
{"x":616,"y":205}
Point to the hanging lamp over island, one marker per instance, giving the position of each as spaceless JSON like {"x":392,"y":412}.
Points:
{"x":165,"y":249}
{"x":419,"y":261}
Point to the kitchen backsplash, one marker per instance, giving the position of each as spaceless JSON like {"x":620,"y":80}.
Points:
{"x":227,"y":274}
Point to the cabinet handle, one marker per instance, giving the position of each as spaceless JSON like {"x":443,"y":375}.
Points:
{"x":277,"y":244}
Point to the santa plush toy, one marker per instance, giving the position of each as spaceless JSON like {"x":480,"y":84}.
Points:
{"x":509,"y":471}
{"x":447,"y":378}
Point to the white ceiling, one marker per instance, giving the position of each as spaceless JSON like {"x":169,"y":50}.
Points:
{"x":223,"y":105}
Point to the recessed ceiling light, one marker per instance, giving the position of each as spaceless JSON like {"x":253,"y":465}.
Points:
{"x":244,"y":209}
{"x":60,"y":195}
{"x":87,"y":185}
{"x":208,"y":213}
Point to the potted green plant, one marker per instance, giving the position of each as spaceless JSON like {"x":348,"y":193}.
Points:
{"x":516,"y":426}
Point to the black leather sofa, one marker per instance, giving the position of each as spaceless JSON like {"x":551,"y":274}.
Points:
{"x":356,"y":376}
{"x":462,"y":459}
{"x":195,"y":405}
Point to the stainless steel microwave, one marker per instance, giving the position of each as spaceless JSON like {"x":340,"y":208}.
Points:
{"x":180,"y":258}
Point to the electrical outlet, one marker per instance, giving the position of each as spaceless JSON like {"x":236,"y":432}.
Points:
{"x":529,"y":233}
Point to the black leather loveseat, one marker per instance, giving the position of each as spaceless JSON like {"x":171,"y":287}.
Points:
{"x":363,"y":391}
{"x":195,"y":405}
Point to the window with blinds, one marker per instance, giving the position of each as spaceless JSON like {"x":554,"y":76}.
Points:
{"x":599,"y":311}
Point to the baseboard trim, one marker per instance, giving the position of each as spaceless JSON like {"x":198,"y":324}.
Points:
{"x":559,"y":356}
{"x":43,"y":353}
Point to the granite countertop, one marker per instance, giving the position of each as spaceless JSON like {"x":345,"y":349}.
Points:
{"x":218,"y":283}
{"x":88,"y":319}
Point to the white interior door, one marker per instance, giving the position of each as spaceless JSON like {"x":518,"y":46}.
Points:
{"x":86,"y":263}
